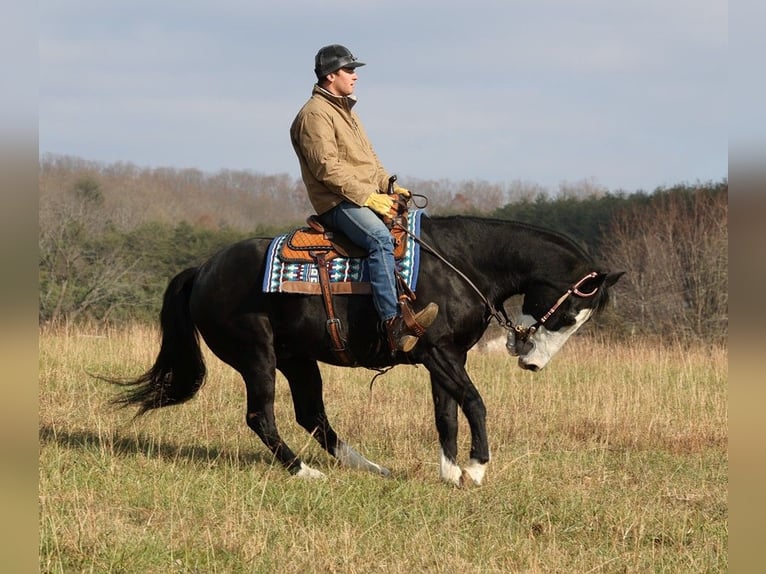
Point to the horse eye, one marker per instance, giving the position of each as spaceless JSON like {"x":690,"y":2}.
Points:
{"x":568,"y":319}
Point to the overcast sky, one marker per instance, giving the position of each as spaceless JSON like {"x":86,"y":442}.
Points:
{"x":631,"y":94}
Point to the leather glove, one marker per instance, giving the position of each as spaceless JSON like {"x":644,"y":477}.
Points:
{"x":380,"y":203}
{"x":405,"y":193}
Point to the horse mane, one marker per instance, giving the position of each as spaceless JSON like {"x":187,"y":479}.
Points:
{"x":557,"y":237}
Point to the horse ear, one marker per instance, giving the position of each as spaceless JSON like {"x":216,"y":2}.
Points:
{"x":596,"y":280}
{"x":611,"y":277}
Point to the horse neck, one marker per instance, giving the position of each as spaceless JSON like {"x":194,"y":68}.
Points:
{"x":502,"y":256}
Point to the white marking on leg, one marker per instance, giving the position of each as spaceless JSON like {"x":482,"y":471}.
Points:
{"x":475,"y":470}
{"x":347,"y":456}
{"x":449,"y":471}
{"x":306,"y":472}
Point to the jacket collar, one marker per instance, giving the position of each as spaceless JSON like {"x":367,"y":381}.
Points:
{"x":343,"y":102}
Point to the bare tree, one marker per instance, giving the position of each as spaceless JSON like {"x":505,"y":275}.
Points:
{"x":75,"y":275}
{"x":676,"y":252}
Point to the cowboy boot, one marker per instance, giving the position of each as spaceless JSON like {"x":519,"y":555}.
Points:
{"x":404,"y":330}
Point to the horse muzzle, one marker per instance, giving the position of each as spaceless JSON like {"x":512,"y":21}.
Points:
{"x":528,"y":366}
{"x":518,"y":345}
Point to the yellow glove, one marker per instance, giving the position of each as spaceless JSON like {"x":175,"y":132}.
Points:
{"x":402,"y":191}
{"x":380,"y":203}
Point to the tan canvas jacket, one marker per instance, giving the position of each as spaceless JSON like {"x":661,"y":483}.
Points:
{"x":336,"y":158}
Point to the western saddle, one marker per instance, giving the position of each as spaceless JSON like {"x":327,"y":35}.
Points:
{"x":318,"y":245}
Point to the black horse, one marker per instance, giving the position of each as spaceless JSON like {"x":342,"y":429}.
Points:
{"x":481,"y":263}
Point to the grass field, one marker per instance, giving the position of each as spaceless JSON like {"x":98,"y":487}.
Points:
{"x":612,"y":459}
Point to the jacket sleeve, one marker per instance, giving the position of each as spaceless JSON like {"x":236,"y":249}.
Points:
{"x":315,"y":138}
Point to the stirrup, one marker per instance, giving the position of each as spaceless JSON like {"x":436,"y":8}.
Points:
{"x":404,"y":331}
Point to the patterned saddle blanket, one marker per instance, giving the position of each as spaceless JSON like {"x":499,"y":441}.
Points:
{"x":290,"y":267}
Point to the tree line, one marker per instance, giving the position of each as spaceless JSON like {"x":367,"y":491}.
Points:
{"x":112,"y":235}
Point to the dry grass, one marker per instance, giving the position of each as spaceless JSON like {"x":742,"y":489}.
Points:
{"x":612,"y":459}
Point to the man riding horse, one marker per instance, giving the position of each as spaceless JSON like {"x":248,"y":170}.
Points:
{"x":347,"y":186}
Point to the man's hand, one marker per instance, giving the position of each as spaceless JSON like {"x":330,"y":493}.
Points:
{"x":380,"y":203}
{"x":405,"y":193}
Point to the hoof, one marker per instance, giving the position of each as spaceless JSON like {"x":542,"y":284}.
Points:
{"x":468,"y":481}
{"x":383,"y":471}
{"x":449,"y":472}
{"x":306,"y":472}
{"x":473,"y":473}
{"x":349,"y":457}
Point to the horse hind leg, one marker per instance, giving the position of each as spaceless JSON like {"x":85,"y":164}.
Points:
{"x":305,"y":382}
{"x":255,"y":360}
{"x":261,"y":419}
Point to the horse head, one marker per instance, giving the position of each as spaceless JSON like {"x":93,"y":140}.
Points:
{"x":551,"y":314}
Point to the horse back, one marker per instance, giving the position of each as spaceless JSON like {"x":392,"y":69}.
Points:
{"x":230,"y":277}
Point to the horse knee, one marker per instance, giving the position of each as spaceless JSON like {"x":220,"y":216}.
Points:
{"x":446,"y":424}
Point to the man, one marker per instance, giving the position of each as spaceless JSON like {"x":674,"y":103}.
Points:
{"x":347,"y":184}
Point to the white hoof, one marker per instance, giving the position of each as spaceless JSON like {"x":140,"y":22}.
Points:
{"x":474,"y":471}
{"x":306,"y":472}
{"x":350,"y":458}
{"x":449,"y":472}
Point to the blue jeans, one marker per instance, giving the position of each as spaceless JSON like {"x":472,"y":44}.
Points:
{"x":364,"y":228}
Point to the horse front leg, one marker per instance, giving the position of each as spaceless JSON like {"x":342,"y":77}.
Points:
{"x":253,"y":356}
{"x":445,"y":411}
{"x":452,"y":387}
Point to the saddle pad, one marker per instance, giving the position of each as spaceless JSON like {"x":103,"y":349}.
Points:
{"x":348,"y":276}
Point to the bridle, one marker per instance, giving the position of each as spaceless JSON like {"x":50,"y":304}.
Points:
{"x":520,"y":332}
{"x":523,"y":333}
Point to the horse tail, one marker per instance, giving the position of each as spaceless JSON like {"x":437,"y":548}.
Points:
{"x":179,"y":370}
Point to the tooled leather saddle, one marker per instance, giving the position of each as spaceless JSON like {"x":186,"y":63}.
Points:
{"x":302,"y":243}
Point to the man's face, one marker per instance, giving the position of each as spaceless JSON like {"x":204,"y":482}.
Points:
{"x":341,"y":83}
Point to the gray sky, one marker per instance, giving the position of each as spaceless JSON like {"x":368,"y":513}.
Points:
{"x":629,"y":93}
